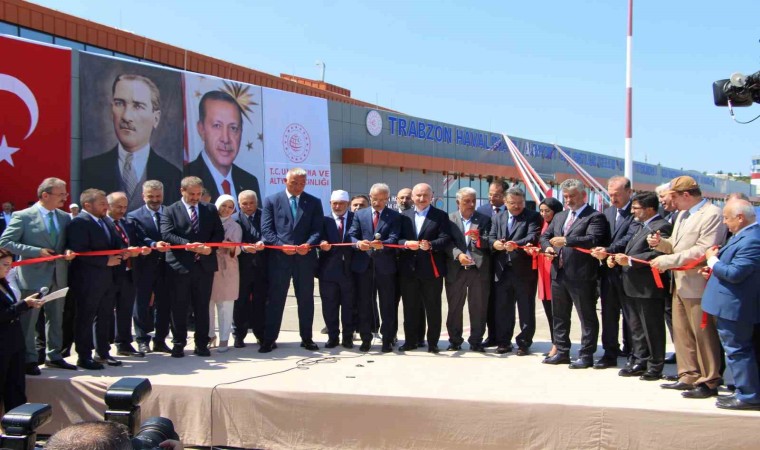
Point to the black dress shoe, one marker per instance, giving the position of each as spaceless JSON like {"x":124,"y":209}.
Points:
{"x":60,"y":364}
{"x":239,"y":343}
{"x":701,"y":391}
{"x":267,"y":346}
{"x":433,"y":349}
{"x":32,"y":369}
{"x":605,"y":362}
{"x":651,"y":376}
{"x":454,"y":347}
{"x":347,"y":343}
{"x":161,"y":347}
{"x":581,"y":363}
{"x":421,"y":344}
{"x":201,"y":351}
{"x":89,"y":364}
{"x":523,"y":351}
{"x":633,"y":371}
{"x":502,"y":349}
{"x":331,"y":343}
{"x":477,"y":348}
{"x":143,"y":347}
{"x":108,"y":359}
{"x":557,"y":359}
{"x":678,"y":386}
{"x":309,"y":345}
{"x":407,"y":347}
{"x":731,"y":402}
{"x":128,"y":350}
{"x":366,"y":345}
{"x":387,"y":347}
{"x":489,"y":343}
{"x":670,"y":377}
{"x":177,"y":351}
{"x":671,"y":359}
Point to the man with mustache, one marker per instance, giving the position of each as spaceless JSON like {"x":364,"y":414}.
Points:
{"x":136,"y":112}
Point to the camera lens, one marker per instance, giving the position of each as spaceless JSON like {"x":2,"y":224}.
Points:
{"x":152,"y":432}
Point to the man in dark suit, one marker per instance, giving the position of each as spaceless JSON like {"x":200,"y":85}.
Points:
{"x":136,"y":112}
{"x":574,"y":273}
{"x":644,"y":301}
{"x":336,"y":284}
{"x":250,"y":306}
{"x":150,"y":272}
{"x":516,"y":280}
{"x":468,"y":276}
{"x":374,"y":266}
{"x":669,"y":212}
{"x":619,"y":219}
{"x":403,"y":203}
{"x":292,"y":219}
{"x":189,"y":221}
{"x":425,"y":236}
{"x":220,"y":126}
{"x":92,"y":279}
{"x":732,"y":295}
{"x":497,"y":190}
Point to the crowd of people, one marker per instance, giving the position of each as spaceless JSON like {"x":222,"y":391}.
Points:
{"x":654,"y":258}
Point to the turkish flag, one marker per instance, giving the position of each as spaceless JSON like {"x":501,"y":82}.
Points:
{"x":35,"y":117}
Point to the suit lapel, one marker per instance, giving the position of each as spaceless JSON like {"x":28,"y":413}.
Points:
{"x":39,"y":217}
{"x":302,"y":202}
{"x":578,"y":218}
{"x":685,"y":226}
{"x":731,"y":242}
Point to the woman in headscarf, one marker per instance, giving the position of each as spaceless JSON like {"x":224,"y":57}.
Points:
{"x":227,"y":278}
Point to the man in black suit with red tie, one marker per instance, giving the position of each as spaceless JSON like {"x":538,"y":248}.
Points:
{"x":574,"y":273}
{"x":189,"y":221}
{"x":425,"y":236}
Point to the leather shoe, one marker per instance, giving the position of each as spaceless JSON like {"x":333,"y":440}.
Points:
{"x":671,"y":359}
{"x":678,"y":386}
{"x":701,"y":391}
{"x":502,"y":349}
{"x":477,"y":348}
{"x":433,"y":349}
{"x":177,"y":351}
{"x":651,"y":376}
{"x":387,"y":347}
{"x":421,"y":344}
{"x":523,"y":351}
{"x":128,"y":350}
{"x":605,"y":362}
{"x":407,"y":347}
{"x":670,"y":377}
{"x":454,"y":347}
{"x":60,"y":364}
{"x":581,"y":363}
{"x":201,"y":351}
{"x":489,"y":343}
{"x":239,"y":343}
{"x":267,"y":347}
{"x":309,"y":345}
{"x":366,"y":345}
{"x":161,"y":347}
{"x":143,"y":347}
{"x":331,"y":343}
{"x":32,"y":369}
{"x":633,"y":371}
{"x":557,"y":359}
{"x":108,"y":359}
{"x":347,"y":343}
{"x":731,"y":402}
{"x":89,"y":364}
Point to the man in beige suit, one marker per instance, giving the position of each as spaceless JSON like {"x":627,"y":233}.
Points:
{"x":698,"y":227}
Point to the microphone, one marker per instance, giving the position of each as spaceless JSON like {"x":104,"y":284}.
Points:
{"x":377,"y":238}
{"x":43,"y":292}
{"x":740,"y":80}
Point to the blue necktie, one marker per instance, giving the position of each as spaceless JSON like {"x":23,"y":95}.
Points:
{"x":293,"y":206}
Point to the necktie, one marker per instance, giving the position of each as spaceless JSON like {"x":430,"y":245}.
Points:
{"x":226,"y":187}
{"x":51,"y":228}
{"x":619,"y":219}
{"x":194,"y":219}
{"x":105,"y":228}
{"x":128,"y":175}
{"x":495,"y":210}
{"x":510,"y":223}
{"x":340,"y":228}
{"x":569,"y":222}
{"x":157,"y":218}
{"x":293,"y":206}
{"x":250,"y":222}
{"x":375,"y":219}
{"x":121,"y":232}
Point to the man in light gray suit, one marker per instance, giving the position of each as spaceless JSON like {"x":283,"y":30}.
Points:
{"x":469,"y":271}
{"x":35,"y":232}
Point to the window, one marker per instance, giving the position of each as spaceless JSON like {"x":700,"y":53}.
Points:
{"x":6,"y":28}
{"x":36,"y":35}
{"x":68,"y":43}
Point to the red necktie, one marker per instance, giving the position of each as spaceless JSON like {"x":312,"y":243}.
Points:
{"x":340,"y":228}
{"x":226,"y":187}
{"x":375,"y":220}
{"x":123,"y":238}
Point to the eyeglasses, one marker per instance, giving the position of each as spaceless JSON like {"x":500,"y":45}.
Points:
{"x":62,"y":194}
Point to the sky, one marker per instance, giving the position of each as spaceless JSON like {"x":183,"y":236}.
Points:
{"x":551,"y":71}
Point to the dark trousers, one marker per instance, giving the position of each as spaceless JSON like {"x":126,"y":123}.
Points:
{"x":756,"y":344}
{"x":427,"y":291}
{"x":68,"y":322}
{"x":647,"y":331}
{"x":13,"y":379}
{"x":473,"y":286}
{"x":153,"y":284}
{"x":250,"y":306}
{"x":338,"y":306}
{"x":191,"y":288}
{"x":612,"y":305}
{"x":513,"y":291}
{"x":582,"y":295}
{"x":549,"y":316}
{"x":94,"y":306}
{"x":421,"y":324}
{"x":302,"y":273}
{"x":370,"y":286}
{"x":124,"y":302}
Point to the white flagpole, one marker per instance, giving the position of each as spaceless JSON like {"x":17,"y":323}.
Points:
{"x":629,"y":98}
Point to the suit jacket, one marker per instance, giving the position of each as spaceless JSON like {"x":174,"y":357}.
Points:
{"x":86,"y":235}
{"x":435,"y":229}
{"x":389,"y":228}
{"x":690,"y":240}
{"x":147,"y":233}
{"x":458,"y":244}
{"x":589,"y":230}
{"x":103,"y":172}
{"x":637,"y":278}
{"x":733,"y":290}
{"x":525,"y":230}
{"x":25,"y":236}
{"x":132,"y":241}
{"x":241,"y":179}
{"x":251,"y":235}
{"x":176,"y":229}
{"x":10,"y":328}
{"x":279,"y":228}
{"x":335,"y":265}
{"x":619,"y":236}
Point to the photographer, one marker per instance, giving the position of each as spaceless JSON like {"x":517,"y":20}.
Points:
{"x":98,"y":436}
{"x":12,"y":378}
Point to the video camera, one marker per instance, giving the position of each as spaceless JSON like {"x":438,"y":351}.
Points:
{"x":739,"y":90}
{"x":123,"y":406}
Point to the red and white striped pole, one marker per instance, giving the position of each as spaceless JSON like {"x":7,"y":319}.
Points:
{"x":629,"y":98}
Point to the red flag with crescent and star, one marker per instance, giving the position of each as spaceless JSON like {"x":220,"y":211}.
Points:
{"x":35,"y":117}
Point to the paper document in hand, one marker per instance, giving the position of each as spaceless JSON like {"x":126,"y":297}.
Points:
{"x":60,"y":293}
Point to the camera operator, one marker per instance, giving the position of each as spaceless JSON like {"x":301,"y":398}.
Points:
{"x":12,"y":356}
{"x":98,"y":436}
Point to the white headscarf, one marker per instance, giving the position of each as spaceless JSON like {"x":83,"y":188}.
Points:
{"x":223,"y":198}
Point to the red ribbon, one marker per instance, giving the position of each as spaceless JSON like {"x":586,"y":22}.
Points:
{"x":476,"y":234}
